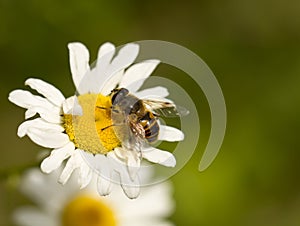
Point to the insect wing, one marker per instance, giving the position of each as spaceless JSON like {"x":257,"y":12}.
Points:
{"x":123,"y":130}
{"x":165,"y":109}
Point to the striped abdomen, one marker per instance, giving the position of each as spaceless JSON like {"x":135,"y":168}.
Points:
{"x":150,"y":126}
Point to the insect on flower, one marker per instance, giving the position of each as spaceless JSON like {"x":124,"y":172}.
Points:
{"x":97,"y":131}
{"x":135,"y":120}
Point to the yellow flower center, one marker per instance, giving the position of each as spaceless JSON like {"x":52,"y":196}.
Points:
{"x":92,"y":131}
{"x":86,"y":210}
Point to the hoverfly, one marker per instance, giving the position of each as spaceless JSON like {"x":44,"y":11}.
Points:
{"x":140,"y":115}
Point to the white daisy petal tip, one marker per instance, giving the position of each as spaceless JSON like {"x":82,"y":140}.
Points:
{"x":22,"y":98}
{"x":46,"y":167}
{"x":22,"y":130}
{"x":31,"y":81}
{"x":29,"y":113}
{"x":129,"y":51}
{"x":47,"y":90}
{"x":131,"y":192}
{"x":132,"y":47}
{"x":135,"y":75}
{"x":107,"y":45}
{"x":56,"y":158}
{"x":164,"y":158}
{"x":154,"y":62}
{"x":63,"y":179}
{"x":12,"y":96}
{"x":78,"y":50}
{"x":132,"y":160}
{"x":79,"y":58}
{"x":104,"y":186}
{"x":125,"y":57}
{"x":47,"y":139}
{"x":133,"y":165}
{"x":170,"y":134}
{"x":155,"y":92}
{"x":170,"y":162}
{"x":73,"y":45}
{"x":106,"y":48}
{"x":84,"y":180}
{"x":85,"y":175}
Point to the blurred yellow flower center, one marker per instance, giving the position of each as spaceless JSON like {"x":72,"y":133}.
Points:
{"x":85,"y":210}
{"x":92,"y":131}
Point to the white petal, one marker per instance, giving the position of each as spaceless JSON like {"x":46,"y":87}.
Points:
{"x":47,"y":90}
{"x":96,"y":161}
{"x":112,"y":83}
{"x":104,"y":72}
{"x":56,"y":158}
{"x":72,"y":106}
{"x":26,"y":99}
{"x":47,"y":139}
{"x":157,"y":91}
{"x":105,"y":54}
{"x":130,"y":188}
{"x":133,"y":165}
{"x":40,"y":124}
{"x":132,"y":160}
{"x":158,"y":156}
{"x":85,"y":175}
{"x":94,"y":80}
{"x":125,"y":57}
{"x":104,"y":168}
{"x":104,"y":186}
{"x":97,"y":79}
{"x":73,"y":163}
{"x":135,"y":76}
{"x":35,"y":104}
{"x":169,"y":133}
{"x":51,"y":115}
{"x":29,"y":216}
{"x":79,"y":62}
{"x":30,"y":113}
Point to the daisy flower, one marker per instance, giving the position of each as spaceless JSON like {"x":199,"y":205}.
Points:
{"x":69,"y":206}
{"x":74,"y":127}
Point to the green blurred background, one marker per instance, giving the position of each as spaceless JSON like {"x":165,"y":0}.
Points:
{"x":253,"y":47}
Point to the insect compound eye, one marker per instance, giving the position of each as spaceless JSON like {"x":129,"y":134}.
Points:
{"x":123,"y":92}
{"x":118,"y":95}
{"x":113,"y":98}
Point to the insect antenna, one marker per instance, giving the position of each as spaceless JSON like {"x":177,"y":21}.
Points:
{"x":103,"y":108}
{"x":104,"y":128}
{"x":107,"y":127}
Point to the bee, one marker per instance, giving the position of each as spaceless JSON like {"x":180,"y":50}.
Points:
{"x":141,"y":115}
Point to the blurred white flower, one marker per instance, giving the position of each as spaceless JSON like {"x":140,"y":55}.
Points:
{"x":74,"y":127}
{"x":69,"y":206}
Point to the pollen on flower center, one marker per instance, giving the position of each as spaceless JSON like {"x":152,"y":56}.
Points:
{"x":85,"y":210}
{"x":92,"y":131}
